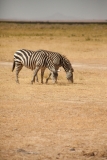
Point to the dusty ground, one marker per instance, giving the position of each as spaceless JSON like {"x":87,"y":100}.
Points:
{"x":55,"y":121}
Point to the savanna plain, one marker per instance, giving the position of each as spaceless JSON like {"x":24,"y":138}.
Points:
{"x":54,"y":121}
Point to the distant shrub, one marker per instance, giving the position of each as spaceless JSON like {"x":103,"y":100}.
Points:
{"x":73,"y":35}
{"x":88,"y":39}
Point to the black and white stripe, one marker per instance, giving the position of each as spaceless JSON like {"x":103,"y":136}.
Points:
{"x":60,"y":61}
{"x":33,"y":60}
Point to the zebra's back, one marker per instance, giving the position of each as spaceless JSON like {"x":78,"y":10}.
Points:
{"x":30,"y":58}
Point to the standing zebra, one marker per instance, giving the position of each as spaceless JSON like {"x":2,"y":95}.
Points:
{"x":33,"y":60}
{"x":60,"y":61}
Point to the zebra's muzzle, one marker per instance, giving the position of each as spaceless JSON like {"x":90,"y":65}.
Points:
{"x":70,"y":77}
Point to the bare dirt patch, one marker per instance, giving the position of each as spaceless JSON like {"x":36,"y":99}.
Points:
{"x":61,"y":121}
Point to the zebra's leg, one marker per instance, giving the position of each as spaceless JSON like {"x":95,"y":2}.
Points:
{"x":48,"y":77}
{"x":35,"y":74}
{"x":18,"y":69}
{"x":36,"y":77}
{"x":54,"y":77}
{"x":42,"y":74}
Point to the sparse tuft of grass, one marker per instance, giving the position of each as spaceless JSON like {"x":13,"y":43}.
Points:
{"x":88,"y":39}
{"x":73,"y":35}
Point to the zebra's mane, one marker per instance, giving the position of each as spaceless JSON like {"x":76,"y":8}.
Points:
{"x":67,"y":62}
{"x":66,"y":59}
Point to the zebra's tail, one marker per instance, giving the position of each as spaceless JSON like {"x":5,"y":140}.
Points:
{"x":13,"y":66}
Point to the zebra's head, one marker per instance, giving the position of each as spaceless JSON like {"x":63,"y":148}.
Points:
{"x":68,"y":69}
{"x":69,"y":75}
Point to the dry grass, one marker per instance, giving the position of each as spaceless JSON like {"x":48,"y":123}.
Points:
{"x":62,"y":121}
{"x":78,"y":42}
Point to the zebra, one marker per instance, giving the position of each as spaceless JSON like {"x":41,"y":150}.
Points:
{"x":59,"y":60}
{"x":34,"y":60}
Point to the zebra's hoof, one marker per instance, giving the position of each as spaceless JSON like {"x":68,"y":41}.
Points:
{"x":54,"y":82}
{"x":31,"y":82}
{"x":17,"y":82}
{"x":46,"y":81}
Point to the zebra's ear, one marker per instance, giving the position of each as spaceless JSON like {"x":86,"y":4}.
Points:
{"x":72,"y":69}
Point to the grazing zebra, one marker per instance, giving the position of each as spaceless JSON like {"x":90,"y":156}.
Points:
{"x":33,"y":60}
{"x":60,"y":61}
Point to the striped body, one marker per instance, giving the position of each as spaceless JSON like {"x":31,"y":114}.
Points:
{"x":33,"y":60}
{"x":60,"y":61}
